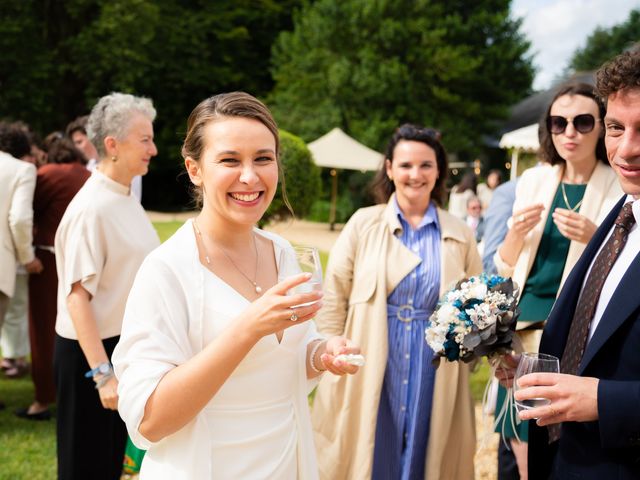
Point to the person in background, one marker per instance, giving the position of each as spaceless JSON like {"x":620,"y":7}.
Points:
{"x":474,"y":219}
{"x":100,"y":243}
{"x":214,"y":377}
{"x":14,"y":334}
{"x":485,"y":190}
{"x":57,"y":183}
{"x":77,"y":132}
{"x":401,"y":418}
{"x":461,"y":193}
{"x":17,"y":183}
{"x":495,"y":222}
{"x":556,"y":211}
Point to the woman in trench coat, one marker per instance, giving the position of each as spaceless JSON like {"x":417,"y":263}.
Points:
{"x":400,"y":417}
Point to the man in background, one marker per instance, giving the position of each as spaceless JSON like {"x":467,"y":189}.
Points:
{"x":17,"y":184}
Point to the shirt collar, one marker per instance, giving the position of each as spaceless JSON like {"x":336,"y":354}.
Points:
{"x":430,"y":216}
{"x":110,"y":183}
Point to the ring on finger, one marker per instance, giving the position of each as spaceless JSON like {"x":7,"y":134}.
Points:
{"x":293,"y":317}
{"x":521,"y":218}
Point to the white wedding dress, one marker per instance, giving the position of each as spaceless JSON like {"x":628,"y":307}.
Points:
{"x":257,"y":426}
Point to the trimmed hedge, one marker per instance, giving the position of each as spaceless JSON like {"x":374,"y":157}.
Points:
{"x":302,"y":179}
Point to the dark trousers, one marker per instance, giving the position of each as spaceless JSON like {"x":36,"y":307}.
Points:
{"x":43,"y":291}
{"x":507,"y":465}
{"x":91,"y":439}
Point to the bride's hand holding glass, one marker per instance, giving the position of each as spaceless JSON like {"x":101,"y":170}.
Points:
{"x":277,"y":309}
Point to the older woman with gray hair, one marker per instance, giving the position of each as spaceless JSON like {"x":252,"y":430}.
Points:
{"x":101,"y":241}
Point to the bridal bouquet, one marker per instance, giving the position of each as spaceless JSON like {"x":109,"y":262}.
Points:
{"x":475,"y":319}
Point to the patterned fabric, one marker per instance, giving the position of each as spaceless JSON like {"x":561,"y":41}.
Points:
{"x":403,"y":422}
{"x":577,"y":338}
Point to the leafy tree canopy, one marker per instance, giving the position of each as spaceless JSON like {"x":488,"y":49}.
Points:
{"x":604,"y":44}
{"x":58,"y":58}
{"x":368,"y":66}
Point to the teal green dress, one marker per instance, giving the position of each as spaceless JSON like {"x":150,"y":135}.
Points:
{"x":543,"y":282}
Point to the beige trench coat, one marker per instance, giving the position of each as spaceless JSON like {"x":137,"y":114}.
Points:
{"x":366,"y":264}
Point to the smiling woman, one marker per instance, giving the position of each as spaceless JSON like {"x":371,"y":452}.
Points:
{"x":210,"y":323}
{"x":385,"y":274}
{"x":101,"y":241}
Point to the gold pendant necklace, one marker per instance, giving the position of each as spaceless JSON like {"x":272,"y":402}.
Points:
{"x":566,"y":200}
{"x":256,"y":287}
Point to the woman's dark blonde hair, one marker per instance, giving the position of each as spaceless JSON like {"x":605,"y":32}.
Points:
{"x":228,"y":105}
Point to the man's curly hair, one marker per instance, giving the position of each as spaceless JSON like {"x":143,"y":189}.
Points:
{"x":620,"y":73}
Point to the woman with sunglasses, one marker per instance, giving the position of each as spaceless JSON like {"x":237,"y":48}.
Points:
{"x":556,"y":211}
{"x":401,"y":418}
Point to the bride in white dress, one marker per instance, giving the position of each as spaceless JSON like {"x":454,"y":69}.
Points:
{"x":214,"y":364}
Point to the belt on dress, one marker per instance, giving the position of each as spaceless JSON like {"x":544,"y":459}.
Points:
{"x":407,"y":313}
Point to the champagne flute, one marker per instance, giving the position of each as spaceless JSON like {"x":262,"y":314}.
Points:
{"x":301,"y":259}
{"x":532,"y":363}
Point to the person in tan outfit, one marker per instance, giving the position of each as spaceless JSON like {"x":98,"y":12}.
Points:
{"x":400,"y":417}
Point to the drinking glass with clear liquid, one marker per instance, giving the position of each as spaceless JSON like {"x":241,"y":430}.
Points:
{"x":301,"y":260}
{"x":532,"y":363}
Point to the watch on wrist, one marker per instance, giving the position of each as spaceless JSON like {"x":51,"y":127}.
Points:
{"x":103,"y":369}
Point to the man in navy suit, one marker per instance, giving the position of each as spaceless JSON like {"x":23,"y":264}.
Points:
{"x":597,"y":407}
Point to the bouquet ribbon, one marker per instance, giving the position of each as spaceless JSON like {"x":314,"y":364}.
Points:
{"x":506,"y":413}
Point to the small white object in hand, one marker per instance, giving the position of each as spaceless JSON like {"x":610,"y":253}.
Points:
{"x":351,"y":359}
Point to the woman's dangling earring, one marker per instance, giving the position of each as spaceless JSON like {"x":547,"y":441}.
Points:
{"x":114,"y":159}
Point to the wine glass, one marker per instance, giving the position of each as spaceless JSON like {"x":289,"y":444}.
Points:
{"x":532,"y":363}
{"x":301,"y":259}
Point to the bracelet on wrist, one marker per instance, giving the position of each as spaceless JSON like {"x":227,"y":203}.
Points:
{"x":102,"y":380}
{"x":312,"y":357}
{"x":105,"y":368}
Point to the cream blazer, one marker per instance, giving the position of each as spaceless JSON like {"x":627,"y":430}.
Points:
{"x":366,"y":264}
{"x":539,"y":185}
{"x":17,"y":184}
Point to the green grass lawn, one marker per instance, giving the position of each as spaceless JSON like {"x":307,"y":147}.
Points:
{"x":28,"y":449}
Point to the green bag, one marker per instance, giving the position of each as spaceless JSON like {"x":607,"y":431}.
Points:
{"x":132,"y":458}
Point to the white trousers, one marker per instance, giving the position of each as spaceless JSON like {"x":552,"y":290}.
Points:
{"x":14,"y":337}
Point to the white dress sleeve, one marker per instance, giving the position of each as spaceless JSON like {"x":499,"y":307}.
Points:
{"x":154,"y":340}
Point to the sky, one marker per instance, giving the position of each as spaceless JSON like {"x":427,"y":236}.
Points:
{"x":556,"y":28}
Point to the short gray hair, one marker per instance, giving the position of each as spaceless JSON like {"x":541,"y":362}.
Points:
{"x":111,"y":116}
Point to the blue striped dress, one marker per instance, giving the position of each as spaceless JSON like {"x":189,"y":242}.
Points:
{"x":402,"y":429}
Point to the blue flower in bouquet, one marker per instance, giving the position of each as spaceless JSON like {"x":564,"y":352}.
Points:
{"x":477,"y":318}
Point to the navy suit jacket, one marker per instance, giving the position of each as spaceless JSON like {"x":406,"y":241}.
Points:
{"x":608,"y":448}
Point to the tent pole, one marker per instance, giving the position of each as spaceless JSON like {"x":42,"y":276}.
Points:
{"x":334,"y":199}
{"x":514,"y":163}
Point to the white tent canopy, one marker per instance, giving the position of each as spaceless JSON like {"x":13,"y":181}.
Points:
{"x":336,"y":149}
{"x":523,"y":139}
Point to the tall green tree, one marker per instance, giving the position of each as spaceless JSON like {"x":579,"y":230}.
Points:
{"x":605,"y":43}
{"x":367,"y":66}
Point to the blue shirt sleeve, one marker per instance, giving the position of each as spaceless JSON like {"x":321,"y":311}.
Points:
{"x":495,"y":222}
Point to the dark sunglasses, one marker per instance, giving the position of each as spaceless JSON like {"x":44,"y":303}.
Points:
{"x":583,"y":123}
